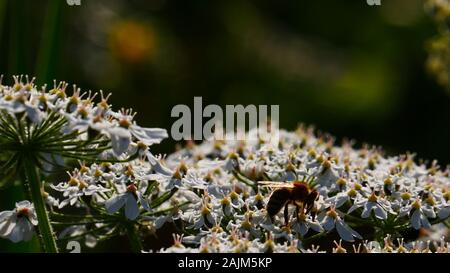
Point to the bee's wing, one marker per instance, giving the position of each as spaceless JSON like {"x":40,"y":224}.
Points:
{"x":273,"y":184}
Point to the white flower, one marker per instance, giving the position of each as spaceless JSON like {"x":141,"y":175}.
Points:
{"x":121,"y":135}
{"x":157,"y":167}
{"x":304,"y":223}
{"x":130,"y":200}
{"x":253,"y":169}
{"x":420,"y":214}
{"x":250,"y":222}
{"x":75,"y":188}
{"x":341,"y":198}
{"x":333,"y":220}
{"x":50,"y":200}
{"x":328,"y":173}
{"x":373,"y":203}
{"x":202,"y":214}
{"x":17,"y":225}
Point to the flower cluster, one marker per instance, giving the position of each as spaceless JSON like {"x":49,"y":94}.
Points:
{"x":51,"y":125}
{"x":113,"y":196}
{"x":43,"y":132}
{"x":362,"y":194}
{"x":301,"y":193}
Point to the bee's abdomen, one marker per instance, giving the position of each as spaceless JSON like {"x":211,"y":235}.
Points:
{"x":277,"y":200}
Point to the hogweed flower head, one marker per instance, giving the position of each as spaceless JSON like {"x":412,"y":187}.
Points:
{"x":48,"y":126}
{"x":361,"y":194}
{"x":40,"y":129}
{"x":210,"y":192}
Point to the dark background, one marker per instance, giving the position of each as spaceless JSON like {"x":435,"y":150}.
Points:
{"x":351,"y":69}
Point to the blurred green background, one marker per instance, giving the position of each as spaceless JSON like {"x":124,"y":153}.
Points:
{"x":351,"y":69}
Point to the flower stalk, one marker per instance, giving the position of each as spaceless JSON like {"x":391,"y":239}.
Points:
{"x":45,"y":231}
{"x":135,"y":240}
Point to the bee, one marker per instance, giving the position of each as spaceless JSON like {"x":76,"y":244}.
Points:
{"x":301,"y":194}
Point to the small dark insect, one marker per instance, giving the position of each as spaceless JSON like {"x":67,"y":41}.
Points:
{"x":298,"y":193}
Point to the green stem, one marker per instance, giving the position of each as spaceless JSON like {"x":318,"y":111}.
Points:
{"x":80,"y":223}
{"x":310,"y":239}
{"x":446,"y":224}
{"x":245,"y":180}
{"x":82,"y":235}
{"x":166,"y":210}
{"x":46,"y":235}
{"x":135,"y":240}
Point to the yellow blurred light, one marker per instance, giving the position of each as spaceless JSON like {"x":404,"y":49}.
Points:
{"x":132,"y":42}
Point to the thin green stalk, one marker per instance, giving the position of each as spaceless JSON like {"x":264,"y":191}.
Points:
{"x":163,"y":198}
{"x":46,"y":235}
{"x":135,"y":240}
{"x":245,"y":180}
{"x":310,"y":239}
{"x":166,"y":210}
{"x":66,"y":216}
{"x":446,"y":224}
{"x":80,"y":223}
{"x":80,"y":236}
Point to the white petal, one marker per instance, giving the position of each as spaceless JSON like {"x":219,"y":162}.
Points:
{"x":73,"y":200}
{"x":23,"y":204}
{"x":26,"y":228}
{"x":33,"y":114}
{"x":160,"y":221}
{"x":328,"y":223}
{"x":63,"y":203}
{"x":344,"y":231}
{"x":429,"y":212}
{"x":415,"y":219}
{"x":367,"y":209}
{"x":210,"y":218}
{"x":23,"y":230}
{"x":444,"y":213}
{"x":353,"y":207}
{"x":380,"y":213}
{"x":33,"y":218}
{"x":190,"y":196}
{"x":131,"y":207}
{"x":327,"y":178}
{"x":149,"y":136}
{"x":404,"y":211}
{"x":114,"y":204}
{"x":340,"y":200}
{"x":200,"y":222}
{"x":120,"y":140}
{"x":5,"y":214}
{"x":143,"y":201}
{"x":15,"y":235}
{"x":315,"y":226}
{"x":157,"y":166}
{"x":90,"y":190}
{"x":424,"y":221}
{"x":7,"y":225}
